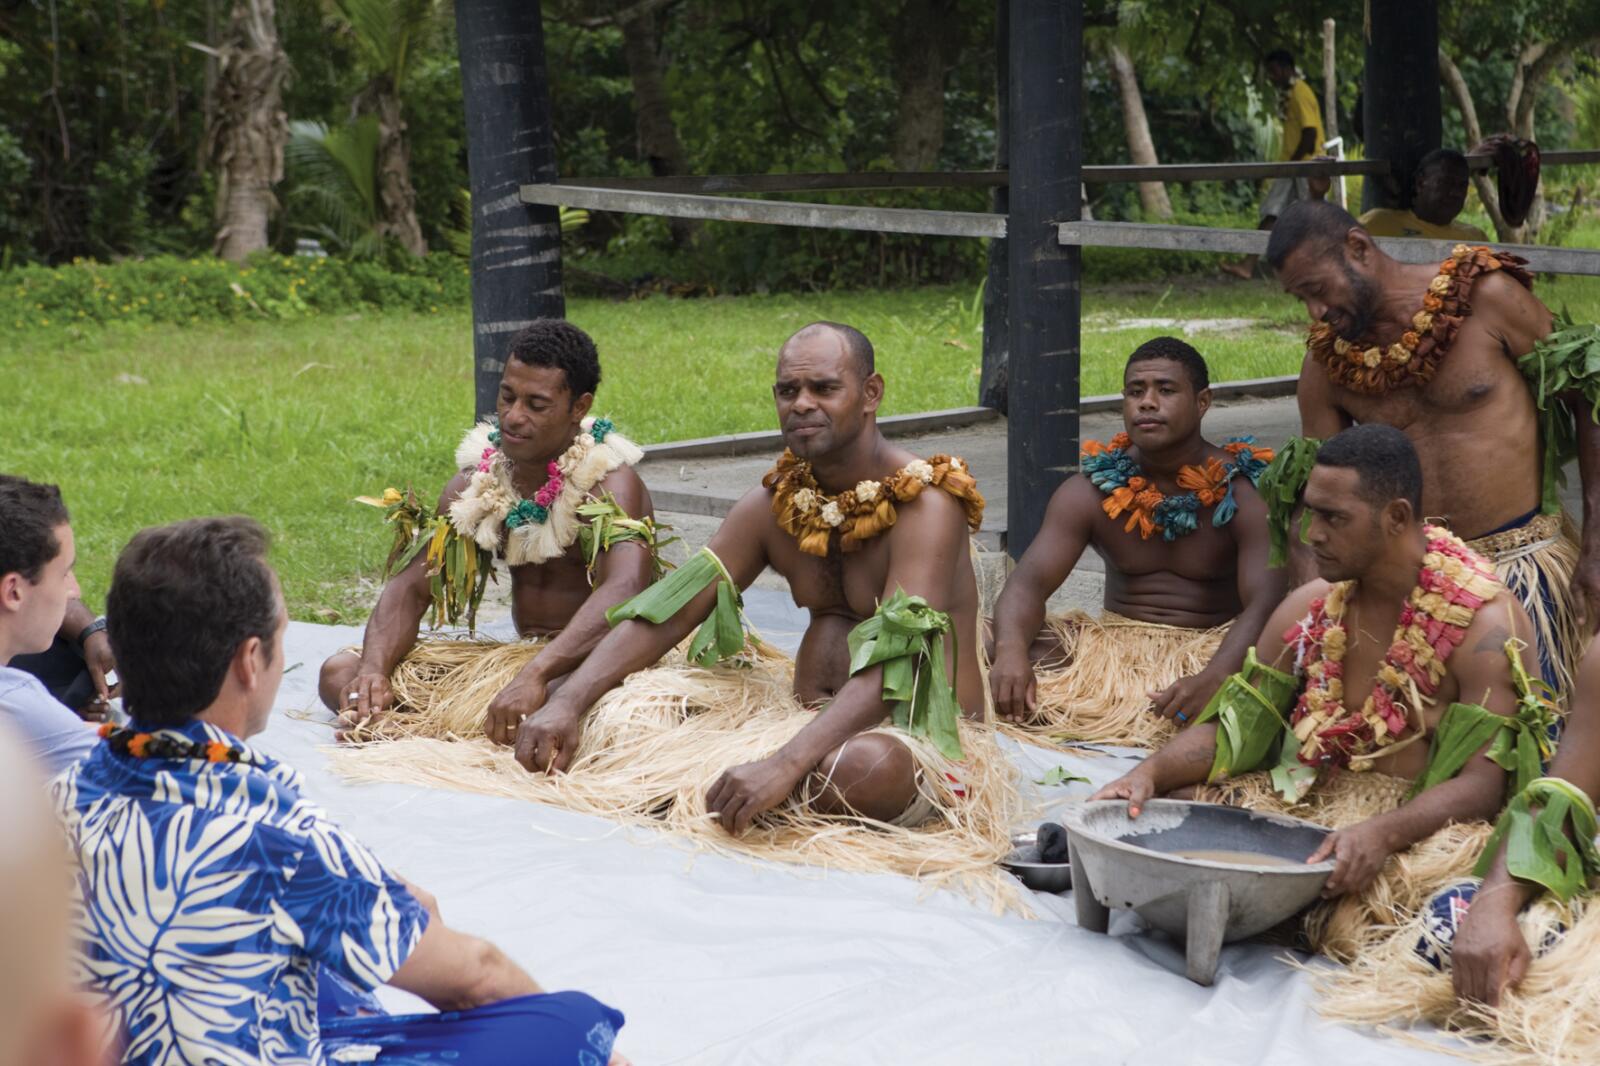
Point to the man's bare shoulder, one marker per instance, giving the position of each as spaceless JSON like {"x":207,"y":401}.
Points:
{"x":1501,"y":296}
{"x":1299,"y":600}
{"x":932,"y":508}
{"x":1078,"y":493}
{"x":751,"y":514}
{"x":1499,"y":620}
{"x":626,"y":487}
{"x":454,"y":488}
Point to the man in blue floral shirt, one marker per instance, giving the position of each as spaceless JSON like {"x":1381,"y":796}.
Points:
{"x":218,"y":904}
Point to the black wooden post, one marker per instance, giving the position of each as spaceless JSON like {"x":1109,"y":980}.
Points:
{"x":1400,"y":99}
{"x":996,"y":291}
{"x":1046,"y":152}
{"x":516,"y":247}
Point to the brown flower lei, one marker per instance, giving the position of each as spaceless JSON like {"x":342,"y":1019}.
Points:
{"x":811,"y":517}
{"x":1362,"y":366}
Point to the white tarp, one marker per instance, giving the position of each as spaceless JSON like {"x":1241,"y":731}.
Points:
{"x":714,"y":960}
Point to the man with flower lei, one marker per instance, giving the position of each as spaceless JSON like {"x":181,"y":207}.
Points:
{"x":220,"y":915}
{"x":1397,"y":667}
{"x":1450,"y":353}
{"x":873,"y":542}
{"x":1503,"y":947}
{"x":523,"y":494}
{"x":1184,"y":537}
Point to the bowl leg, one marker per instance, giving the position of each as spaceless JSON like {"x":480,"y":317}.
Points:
{"x":1207,"y":921}
{"x":1092,"y":914}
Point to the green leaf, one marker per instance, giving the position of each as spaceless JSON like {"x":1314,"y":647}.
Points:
{"x":1058,"y":775}
{"x":1280,"y":485}
{"x":1249,"y":721}
{"x":672,"y":593}
{"x":1555,"y":847}
{"x":1464,"y":729}
{"x":1291,"y":777}
{"x":721,"y":635}
{"x":906,"y":637}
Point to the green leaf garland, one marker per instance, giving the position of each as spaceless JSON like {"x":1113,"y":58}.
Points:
{"x":906,"y":637}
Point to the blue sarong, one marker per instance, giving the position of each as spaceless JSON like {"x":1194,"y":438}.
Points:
{"x":1442,"y":918}
{"x":551,"y":1029}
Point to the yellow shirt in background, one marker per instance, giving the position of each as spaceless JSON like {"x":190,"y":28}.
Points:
{"x":1300,"y":112}
{"x":1393,"y":222}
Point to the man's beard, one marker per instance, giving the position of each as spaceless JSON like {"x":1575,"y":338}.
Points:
{"x":1363,"y":306}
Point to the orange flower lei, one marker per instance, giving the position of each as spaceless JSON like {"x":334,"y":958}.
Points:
{"x":1453,"y":583}
{"x":1127,"y":490}
{"x":1412,"y":360}
{"x":811,"y":516}
{"x":164,"y":746}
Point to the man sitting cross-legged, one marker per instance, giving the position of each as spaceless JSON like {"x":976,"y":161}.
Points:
{"x":1184,"y":537}
{"x":516,"y":497}
{"x":1368,"y":684}
{"x":224,"y":917}
{"x":864,"y":532}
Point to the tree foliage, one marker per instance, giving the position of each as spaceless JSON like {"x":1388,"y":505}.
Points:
{"x":104,"y":106}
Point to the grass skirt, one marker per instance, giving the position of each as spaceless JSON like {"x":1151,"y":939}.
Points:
{"x":1536,"y":562}
{"x":651,"y":748}
{"x":1552,"y":1017}
{"x":1101,"y":693}
{"x":1337,"y":801}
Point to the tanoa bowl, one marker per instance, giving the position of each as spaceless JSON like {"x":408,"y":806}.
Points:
{"x":1130,"y":863}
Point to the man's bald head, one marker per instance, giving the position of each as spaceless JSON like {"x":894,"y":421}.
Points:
{"x":850,"y":340}
{"x":42,"y":1017}
{"x":826,"y":390}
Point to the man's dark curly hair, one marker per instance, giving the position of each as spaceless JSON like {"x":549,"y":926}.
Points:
{"x":555,"y":342}
{"x":1180,"y":352}
{"x":29,"y":516}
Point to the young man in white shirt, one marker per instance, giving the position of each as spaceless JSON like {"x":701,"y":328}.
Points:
{"x":36,"y":584}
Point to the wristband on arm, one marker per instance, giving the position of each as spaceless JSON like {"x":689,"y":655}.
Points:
{"x":97,"y":626}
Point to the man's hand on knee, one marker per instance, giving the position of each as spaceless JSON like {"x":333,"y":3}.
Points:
{"x":744,"y":792}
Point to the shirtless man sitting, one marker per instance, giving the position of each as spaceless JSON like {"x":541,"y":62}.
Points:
{"x":1376,"y":558}
{"x":546,"y":391}
{"x":1432,"y":350}
{"x":1175,"y":578}
{"x":850,"y":520}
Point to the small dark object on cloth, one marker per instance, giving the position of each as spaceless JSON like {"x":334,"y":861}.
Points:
{"x":1052,"y":843}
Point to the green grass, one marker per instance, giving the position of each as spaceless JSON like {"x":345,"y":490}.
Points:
{"x":288,"y":421}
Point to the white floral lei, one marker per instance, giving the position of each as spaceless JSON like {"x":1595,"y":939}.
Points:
{"x":480,"y":511}
{"x":807,"y":501}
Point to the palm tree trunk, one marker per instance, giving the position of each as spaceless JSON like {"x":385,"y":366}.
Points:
{"x":250,"y":128}
{"x":516,"y":247}
{"x":925,"y":38}
{"x":397,"y":197}
{"x":659,"y":145}
{"x":1136,"y":127}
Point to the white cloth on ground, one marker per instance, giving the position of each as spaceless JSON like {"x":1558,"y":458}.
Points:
{"x":716,"y":960}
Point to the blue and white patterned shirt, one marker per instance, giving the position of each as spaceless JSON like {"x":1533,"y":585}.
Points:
{"x":211,"y":893}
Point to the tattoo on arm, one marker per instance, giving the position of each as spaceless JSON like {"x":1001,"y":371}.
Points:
{"x":1492,"y":641}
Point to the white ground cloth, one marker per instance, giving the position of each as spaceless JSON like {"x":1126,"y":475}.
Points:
{"x":718,"y":961}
